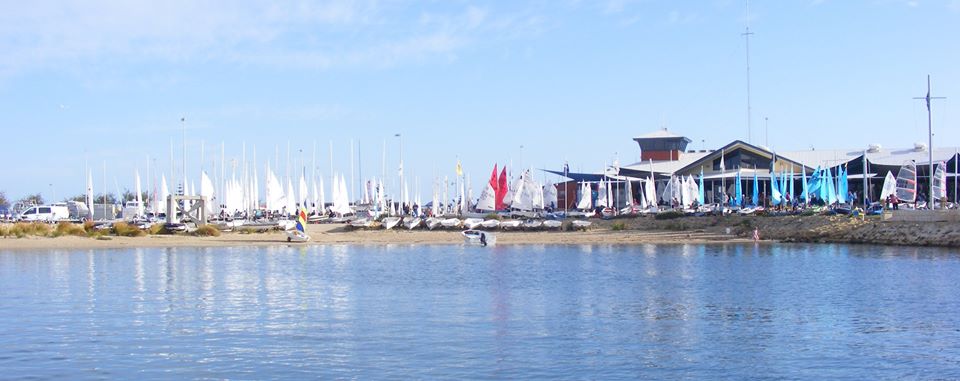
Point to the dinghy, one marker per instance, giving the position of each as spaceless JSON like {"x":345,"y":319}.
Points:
{"x":451,"y":223}
{"x":478,"y":238}
{"x":552,"y":224}
{"x":581,"y":224}
{"x":391,"y":222}
{"x":472,"y":223}
{"x":413,"y":223}
{"x":432,"y":223}
{"x":490,"y":224}
{"x":510,"y":224}
{"x":532,"y":224}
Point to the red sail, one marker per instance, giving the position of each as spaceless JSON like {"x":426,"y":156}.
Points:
{"x":502,"y":189}
{"x":493,"y":180}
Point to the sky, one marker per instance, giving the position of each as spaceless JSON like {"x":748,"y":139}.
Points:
{"x":527,"y":84}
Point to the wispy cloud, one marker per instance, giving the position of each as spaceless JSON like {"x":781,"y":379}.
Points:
{"x":299,"y":34}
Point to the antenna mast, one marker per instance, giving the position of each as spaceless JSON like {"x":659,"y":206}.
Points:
{"x":746,"y":35}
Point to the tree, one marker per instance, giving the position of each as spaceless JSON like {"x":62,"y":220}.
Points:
{"x":78,"y":198}
{"x":4,"y":203}
{"x":33,"y":199}
{"x":111,"y":199}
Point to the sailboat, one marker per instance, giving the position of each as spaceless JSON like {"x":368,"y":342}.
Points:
{"x":889,"y":187}
{"x":298,"y":234}
{"x":939,"y":184}
{"x":907,"y":182}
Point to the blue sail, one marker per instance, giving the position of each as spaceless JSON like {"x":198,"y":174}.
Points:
{"x":841,"y":192}
{"x":825,"y":185}
{"x":738,"y":197}
{"x":831,"y":190}
{"x":756,"y":191}
{"x":783,"y":188}
{"x":792,"y":194}
{"x":775,"y":195}
{"x":803,"y":184}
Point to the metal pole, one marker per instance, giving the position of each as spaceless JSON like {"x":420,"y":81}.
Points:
{"x":746,"y":36}
{"x":930,"y":137}
{"x":865,"y":188}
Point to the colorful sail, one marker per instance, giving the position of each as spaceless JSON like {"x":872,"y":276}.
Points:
{"x":301,"y":219}
{"x":940,"y":181}
{"x":755,"y":200}
{"x":501,"y":189}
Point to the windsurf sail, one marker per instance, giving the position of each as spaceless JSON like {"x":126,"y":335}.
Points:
{"x":907,"y":182}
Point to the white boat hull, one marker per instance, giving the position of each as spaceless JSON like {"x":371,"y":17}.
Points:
{"x":478,"y":238}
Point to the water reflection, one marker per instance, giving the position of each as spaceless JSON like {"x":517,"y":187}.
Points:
{"x":650,"y":311}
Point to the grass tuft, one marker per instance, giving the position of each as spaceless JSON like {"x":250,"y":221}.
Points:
{"x":207,"y":231}
{"x":69,"y":228}
{"x":124,"y":229}
{"x":618,"y":226}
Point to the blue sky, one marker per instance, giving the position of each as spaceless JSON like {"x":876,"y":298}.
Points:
{"x":108,"y":81}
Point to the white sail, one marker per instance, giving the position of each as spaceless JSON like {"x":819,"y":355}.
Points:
{"x":290,"y":197}
{"x":164,"y":193}
{"x":322,"y":199}
{"x":907,"y":182}
{"x":274,"y":192}
{"x":89,"y":198}
{"x":629,"y":190}
{"x":304,"y":193}
{"x":487,"y":200}
{"x":940,"y":182}
{"x":651,"y":189}
{"x":667,"y":194}
{"x":693,"y":191}
{"x":206,"y":189}
{"x":889,"y":186}
{"x":463,"y":199}
{"x":585,"y":196}
{"x":139,"y":198}
{"x":602,"y":200}
{"x":550,"y":195}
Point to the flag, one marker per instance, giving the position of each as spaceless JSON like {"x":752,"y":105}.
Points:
{"x":459,"y":168}
{"x":928,"y":99}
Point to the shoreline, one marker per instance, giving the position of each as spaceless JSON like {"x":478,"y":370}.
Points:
{"x":628,"y":231}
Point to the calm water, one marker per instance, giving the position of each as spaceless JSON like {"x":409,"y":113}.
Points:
{"x":451,"y":312}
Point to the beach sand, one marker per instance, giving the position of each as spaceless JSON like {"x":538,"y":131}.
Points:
{"x":642,"y":230}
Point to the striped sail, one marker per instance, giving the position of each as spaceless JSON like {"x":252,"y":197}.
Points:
{"x":907,"y":182}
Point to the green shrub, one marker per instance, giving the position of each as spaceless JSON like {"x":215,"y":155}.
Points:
{"x":207,"y":231}
{"x":618,"y":226}
{"x":124,"y":229}
{"x":492,"y":216}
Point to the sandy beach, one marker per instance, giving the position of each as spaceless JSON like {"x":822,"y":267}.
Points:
{"x":642,"y":230}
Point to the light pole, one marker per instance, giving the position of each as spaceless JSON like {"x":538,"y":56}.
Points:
{"x":183,"y":124}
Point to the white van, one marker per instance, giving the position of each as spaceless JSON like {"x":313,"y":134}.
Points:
{"x":47,"y":213}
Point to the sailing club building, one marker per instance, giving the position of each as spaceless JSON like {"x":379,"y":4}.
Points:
{"x":664,"y":154}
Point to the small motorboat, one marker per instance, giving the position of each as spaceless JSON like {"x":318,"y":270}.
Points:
{"x":479,"y":238}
